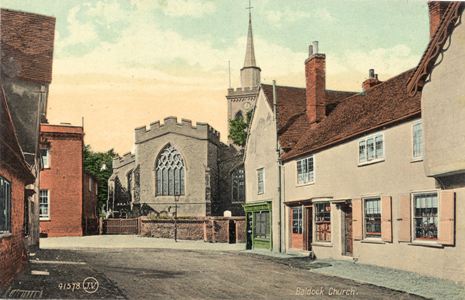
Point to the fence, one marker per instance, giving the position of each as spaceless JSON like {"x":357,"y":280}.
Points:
{"x":121,"y":226}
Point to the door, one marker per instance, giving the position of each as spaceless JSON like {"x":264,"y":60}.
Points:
{"x":296,"y":227}
{"x":308,"y":228}
{"x":232,"y":231}
{"x":248,"y":244}
{"x":346,"y":208}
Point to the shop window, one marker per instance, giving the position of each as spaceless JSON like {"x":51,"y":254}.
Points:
{"x":323,"y":222}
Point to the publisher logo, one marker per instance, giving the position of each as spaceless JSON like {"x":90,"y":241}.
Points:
{"x":90,"y":285}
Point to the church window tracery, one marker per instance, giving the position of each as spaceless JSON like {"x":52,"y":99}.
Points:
{"x":169,"y":172}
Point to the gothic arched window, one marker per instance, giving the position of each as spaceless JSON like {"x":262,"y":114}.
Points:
{"x":238,"y":184}
{"x":239,"y":115}
{"x":169,"y":172}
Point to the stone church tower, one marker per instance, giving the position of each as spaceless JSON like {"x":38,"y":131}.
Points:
{"x":242,"y":100}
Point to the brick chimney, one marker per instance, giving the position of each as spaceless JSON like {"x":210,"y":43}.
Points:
{"x":315,"y":74}
{"x":371,"y":81}
{"x":436,"y":12}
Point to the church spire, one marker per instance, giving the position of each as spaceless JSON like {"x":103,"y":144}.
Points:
{"x":250,"y":73}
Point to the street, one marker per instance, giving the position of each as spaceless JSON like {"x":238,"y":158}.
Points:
{"x":182,"y":274}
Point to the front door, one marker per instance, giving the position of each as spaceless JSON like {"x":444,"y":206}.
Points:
{"x":347,"y":242}
{"x":248,"y":245}
{"x":308,"y":228}
{"x":297,"y":237}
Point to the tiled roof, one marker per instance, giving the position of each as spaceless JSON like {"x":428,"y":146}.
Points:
{"x":292,"y":118}
{"x":27,"y":45}
{"x":448,"y":23}
{"x":10,"y":151}
{"x":384,"y":104}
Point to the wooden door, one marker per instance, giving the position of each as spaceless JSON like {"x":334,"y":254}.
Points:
{"x":347,"y":236}
{"x":296,"y":228}
{"x":308,"y":228}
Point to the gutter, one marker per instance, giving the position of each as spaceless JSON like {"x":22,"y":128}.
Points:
{"x":278,"y":160}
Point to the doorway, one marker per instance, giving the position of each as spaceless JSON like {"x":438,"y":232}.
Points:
{"x":347,"y":239}
{"x":232,"y":232}
{"x":308,"y":228}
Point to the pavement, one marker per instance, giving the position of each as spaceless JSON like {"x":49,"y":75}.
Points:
{"x":132,"y":267}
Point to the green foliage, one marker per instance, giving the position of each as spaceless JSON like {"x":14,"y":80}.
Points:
{"x":238,"y":129}
{"x":93,"y":162}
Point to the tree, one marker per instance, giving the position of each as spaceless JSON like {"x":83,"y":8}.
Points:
{"x":238,"y":129}
{"x":93,"y":164}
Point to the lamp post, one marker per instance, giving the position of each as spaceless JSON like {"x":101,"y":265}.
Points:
{"x":176,"y":199}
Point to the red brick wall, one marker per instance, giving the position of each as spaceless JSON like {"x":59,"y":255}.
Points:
{"x":64,"y":180}
{"x":13,"y":257}
{"x":436,"y":12}
{"x":90,"y":218}
{"x":315,"y":74}
{"x":207,"y":229}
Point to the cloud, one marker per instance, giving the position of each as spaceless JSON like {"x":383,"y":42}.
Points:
{"x":191,"y":8}
{"x":278,"y":17}
{"x":79,"y":32}
{"x":106,"y":12}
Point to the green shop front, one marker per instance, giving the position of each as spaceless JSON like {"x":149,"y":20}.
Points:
{"x":258,"y":229}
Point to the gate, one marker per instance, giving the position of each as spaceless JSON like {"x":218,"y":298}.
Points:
{"x":121,"y":226}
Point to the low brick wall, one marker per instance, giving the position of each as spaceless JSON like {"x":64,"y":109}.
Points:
{"x":209,"y":229}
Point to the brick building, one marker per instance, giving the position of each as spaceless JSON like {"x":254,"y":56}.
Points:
{"x":26,"y":43}
{"x":14,"y":176}
{"x":61,"y":180}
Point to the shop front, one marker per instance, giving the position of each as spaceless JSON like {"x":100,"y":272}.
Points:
{"x":258,"y":229}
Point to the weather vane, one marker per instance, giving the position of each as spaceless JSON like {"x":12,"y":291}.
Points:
{"x":250,"y":7}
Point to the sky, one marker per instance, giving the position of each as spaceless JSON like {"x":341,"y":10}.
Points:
{"x":127,"y":63}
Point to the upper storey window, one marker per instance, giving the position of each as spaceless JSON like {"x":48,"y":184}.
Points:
{"x":371,"y":149}
{"x":169,"y":172}
{"x":417,"y":141}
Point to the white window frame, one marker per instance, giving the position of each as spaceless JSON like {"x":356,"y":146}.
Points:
{"x":412,"y":217}
{"x":313,"y":173}
{"x":375,"y":159}
{"x":48,"y":205}
{"x":9,"y":206}
{"x":262,"y":191}
{"x":420,"y":157}
{"x":46,"y":166}
{"x":365,"y":237}
{"x":315,"y":241}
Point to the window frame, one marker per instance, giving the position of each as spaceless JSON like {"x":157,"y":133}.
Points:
{"x":47,"y":151}
{"x":8,"y":205}
{"x":176,"y":173}
{"x":48,"y":217}
{"x":422,"y":148}
{"x":413,"y":217}
{"x":262,"y":190}
{"x":313,"y":171}
{"x":299,"y":220}
{"x":266,"y":222}
{"x":365,"y":233}
{"x":364,"y":140}
{"x":233,"y":200}
{"x":315,"y":223}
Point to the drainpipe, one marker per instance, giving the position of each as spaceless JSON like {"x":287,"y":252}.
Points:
{"x":278,"y":160}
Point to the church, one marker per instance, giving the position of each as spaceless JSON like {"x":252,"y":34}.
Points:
{"x":184,"y":169}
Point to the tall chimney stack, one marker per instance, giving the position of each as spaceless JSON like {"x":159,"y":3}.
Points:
{"x":315,"y":74}
{"x":436,"y":12}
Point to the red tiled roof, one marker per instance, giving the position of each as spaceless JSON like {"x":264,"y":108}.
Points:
{"x":27,"y":45}
{"x":10,"y":151}
{"x":384,"y":104}
{"x":448,"y":23}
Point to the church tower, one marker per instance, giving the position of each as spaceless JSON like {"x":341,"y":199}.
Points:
{"x":242,"y":100}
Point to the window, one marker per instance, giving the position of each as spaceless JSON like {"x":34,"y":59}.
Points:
{"x":90,"y":184}
{"x":305,"y":170}
{"x":44,"y":204}
{"x":373,"y":218}
{"x":417,"y":136}
{"x":169,"y":172}
{"x":426,"y":216}
{"x":129,"y":179}
{"x":323,"y":222}
{"x":371,"y":148}
{"x":45,"y":158}
{"x":262,"y":225}
{"x":297,"y":220}
{"x":5,"y":206}
{"x":238,"y":185}
{"x":260,"y":181}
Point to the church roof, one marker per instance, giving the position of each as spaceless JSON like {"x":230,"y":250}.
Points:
{"x":448,"y":23}
{"x":27,"y":45}
{"x":385,"y":104}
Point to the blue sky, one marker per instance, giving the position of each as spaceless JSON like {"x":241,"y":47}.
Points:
{"x":146,"y":59}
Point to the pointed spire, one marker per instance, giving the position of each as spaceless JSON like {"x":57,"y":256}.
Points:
{"x":249,"y":50}
{"x":250,"y":73}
